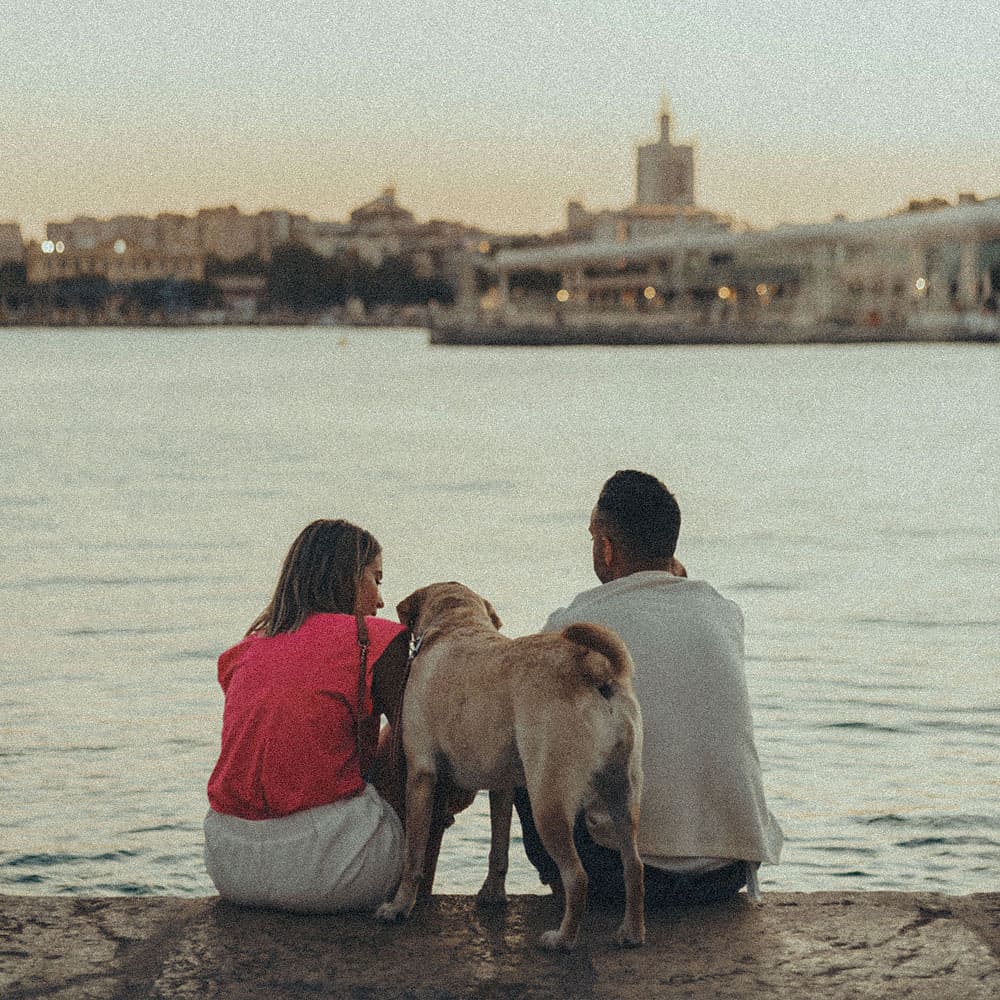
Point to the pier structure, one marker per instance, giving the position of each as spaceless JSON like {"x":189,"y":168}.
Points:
{"x":929,"y":274}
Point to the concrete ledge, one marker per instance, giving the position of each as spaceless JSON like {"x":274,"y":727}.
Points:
{"x":815,"y":945}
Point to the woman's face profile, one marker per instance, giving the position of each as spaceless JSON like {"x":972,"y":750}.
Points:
{"x":369,"y":596}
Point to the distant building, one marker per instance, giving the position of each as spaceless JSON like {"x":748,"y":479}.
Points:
{"x":128,"y":249}
{"x":325,"y":238}
{"x":82,"y":233}
{"x":11,"y":244}
{"x":228,"y":234}
{"x":664,"y":173}
{"x":118,"y":262}
{"x":178,"y":234}
{"x":382,"y":214}
{"x":664,"y":198}
{"x":639,"y":221}
{"x":935,"y":266}
{"x":86,"y":233}
{"x":241,"y":294}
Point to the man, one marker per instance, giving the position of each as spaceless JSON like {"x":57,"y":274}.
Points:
{"x":704,"y":826}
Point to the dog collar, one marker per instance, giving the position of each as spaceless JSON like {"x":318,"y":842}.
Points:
{"x":416,"y":641}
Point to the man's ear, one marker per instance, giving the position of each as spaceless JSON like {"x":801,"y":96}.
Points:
{"x":494,"y":617}
{"x":607,"y":550}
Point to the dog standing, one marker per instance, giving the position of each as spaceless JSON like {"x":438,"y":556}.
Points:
{"x":553,"y":712}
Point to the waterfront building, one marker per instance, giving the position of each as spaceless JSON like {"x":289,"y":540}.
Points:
{"x":666,"y":268}
{"x":918,"y":273}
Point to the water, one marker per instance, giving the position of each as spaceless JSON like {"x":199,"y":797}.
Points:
{"x":846,"y":497}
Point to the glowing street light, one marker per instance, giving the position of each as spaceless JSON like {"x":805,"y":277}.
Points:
{"x":649,"y":293}
{"x":562,"y":295}
{"x":48,"y":246}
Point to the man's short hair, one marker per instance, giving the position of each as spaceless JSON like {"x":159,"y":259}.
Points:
{"x":642,"y":512}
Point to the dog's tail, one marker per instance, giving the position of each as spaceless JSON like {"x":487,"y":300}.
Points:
{"x":611,"y":667}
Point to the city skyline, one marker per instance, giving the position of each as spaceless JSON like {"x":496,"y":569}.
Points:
{"x":493,"y":116}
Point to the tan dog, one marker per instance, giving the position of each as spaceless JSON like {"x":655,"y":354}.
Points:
{"x":553,"y":712}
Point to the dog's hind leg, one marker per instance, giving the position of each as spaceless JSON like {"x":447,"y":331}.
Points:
{"x":419,"y":804}
{"x":617,"y":788}
{"x":494,"y":892}
{"x":555,"y":827}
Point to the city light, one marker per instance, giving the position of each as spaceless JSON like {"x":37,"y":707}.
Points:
{"x":562,"y":295}
{"x":60,"y":246}
{"x":484,"y":247}
{"x":726,"y":293}
{"x":48,"y":246}
{"x":120,"y":247}
{"x":921,"y":284}
{"x":649,"y":292}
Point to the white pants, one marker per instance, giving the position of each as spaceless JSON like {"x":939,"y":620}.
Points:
{"x":344,"y":856}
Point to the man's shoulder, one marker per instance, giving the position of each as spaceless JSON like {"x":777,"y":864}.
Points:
{"x":641,"y":593}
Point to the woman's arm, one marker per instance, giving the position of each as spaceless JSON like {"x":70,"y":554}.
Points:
{"x":389,"y":678}
{"x":388,"y":773}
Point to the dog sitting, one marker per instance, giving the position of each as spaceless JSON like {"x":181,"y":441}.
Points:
{"x":553,"y":712}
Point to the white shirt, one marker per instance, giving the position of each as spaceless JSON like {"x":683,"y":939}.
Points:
{"x":703,"y":799}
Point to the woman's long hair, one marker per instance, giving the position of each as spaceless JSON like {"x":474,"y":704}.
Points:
{"x":320,"y":574}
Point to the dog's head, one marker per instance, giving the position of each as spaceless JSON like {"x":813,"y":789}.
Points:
{"x":452,"y":601}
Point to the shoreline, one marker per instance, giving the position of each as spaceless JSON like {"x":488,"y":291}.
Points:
{"x":816,"y":945}
{"x":476,"y":333}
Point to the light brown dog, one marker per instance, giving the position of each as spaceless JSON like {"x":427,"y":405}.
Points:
{"x":553,"y":712}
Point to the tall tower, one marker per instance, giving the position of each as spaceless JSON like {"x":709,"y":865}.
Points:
{"x":664,"y":172}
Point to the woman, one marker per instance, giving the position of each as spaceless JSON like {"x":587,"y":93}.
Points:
{"x":293,"y":824}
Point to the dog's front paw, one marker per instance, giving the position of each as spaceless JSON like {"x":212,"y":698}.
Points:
{"x":392,"y":912}
{"x":492,"y":893}
{"x":556,"y":941}
{"x":628,"y":937}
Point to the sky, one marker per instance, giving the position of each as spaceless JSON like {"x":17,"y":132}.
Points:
{"x":492,"y":113}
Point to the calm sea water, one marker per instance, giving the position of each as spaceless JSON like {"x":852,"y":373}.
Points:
{"x":846,"y":497}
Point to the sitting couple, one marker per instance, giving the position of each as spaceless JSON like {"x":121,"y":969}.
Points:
{"x":294,"y":824}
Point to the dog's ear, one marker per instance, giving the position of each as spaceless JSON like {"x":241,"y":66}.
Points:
{"x":407,"y":610}
{"x":494,"y":617}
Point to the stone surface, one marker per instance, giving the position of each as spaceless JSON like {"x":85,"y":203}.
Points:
{"x":815,"y":945}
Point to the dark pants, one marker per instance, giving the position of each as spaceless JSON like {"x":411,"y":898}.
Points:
{"x":604,"y":869}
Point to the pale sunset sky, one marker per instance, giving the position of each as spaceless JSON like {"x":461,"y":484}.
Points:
{"x":491,"y":113}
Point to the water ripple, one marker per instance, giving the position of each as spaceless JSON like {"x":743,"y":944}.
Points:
{"x":869,"y":727}
{"x":52,"y":860}
{"x":41,"y":582}
{"x":89,"y":632}
{"x":928,"y":622}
